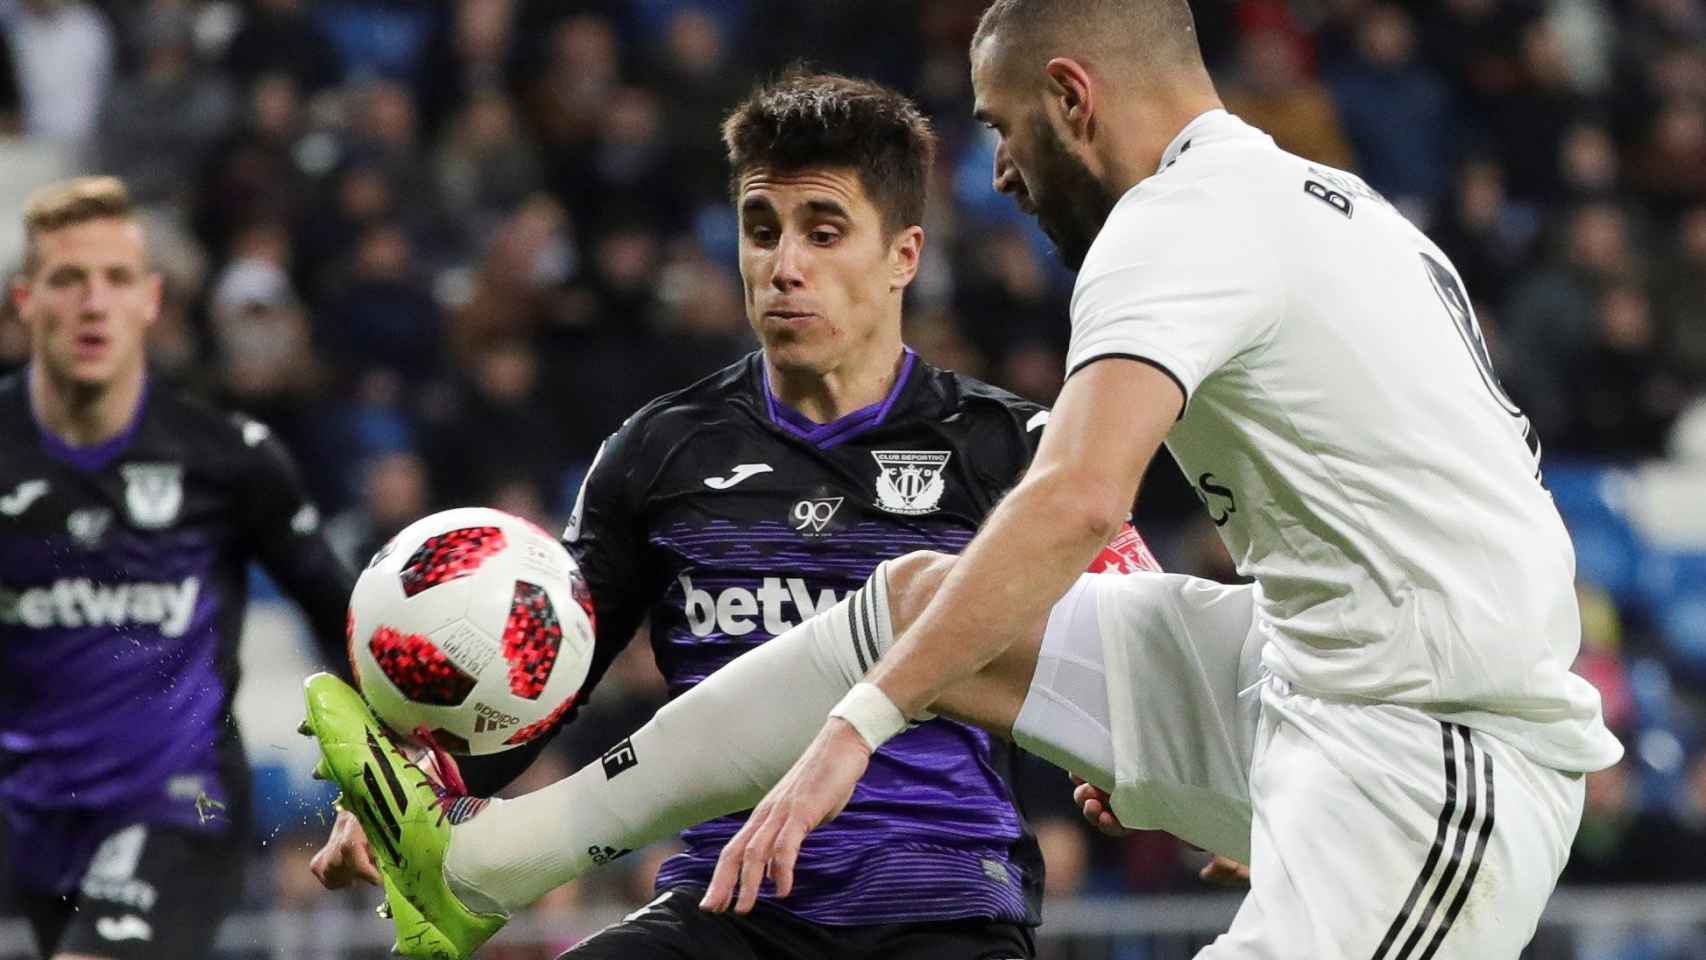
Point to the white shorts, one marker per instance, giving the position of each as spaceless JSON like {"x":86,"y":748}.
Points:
{"x":1371,"y":830}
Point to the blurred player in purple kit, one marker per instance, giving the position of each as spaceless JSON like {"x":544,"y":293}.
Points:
{"x":128,"y":520}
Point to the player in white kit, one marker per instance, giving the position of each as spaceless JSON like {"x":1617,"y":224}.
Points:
{"x":1383,"y":725}
{"x":1384,"y":722}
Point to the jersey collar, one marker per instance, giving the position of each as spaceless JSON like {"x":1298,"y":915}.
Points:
{"x":843,"y":428}
{"x":95,"y":456}
{"x":1209,"y":122}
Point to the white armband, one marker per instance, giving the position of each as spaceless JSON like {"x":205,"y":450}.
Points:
{"x":871,"y":713}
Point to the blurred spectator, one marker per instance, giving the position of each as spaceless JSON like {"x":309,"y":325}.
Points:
{"x":1680,"y":293}
{"x":1273,"y":91}
{"x":471,"y":58}
{"x":380,"y":38}
{"x":380,"y":316}
{"x":1530,"y":122}
{"x":1670,"y":164}
{"x":1550,"y":320}
{"x":1397,"y":112}
{"x":254,"y":174}
{"x":1624,"y":394}
{"x":164,"y":121}
{"x":11,"y":102}
{"x":1485,"y":234}
{"x":565,"y":101}
{"x":277,"y":36}
{"x":487,"y":165}
{"x":1005,"y":294}
{"x":692,"y":64}
{"x":1588,"y":165}
{"x":499,"y":432}
{"x":515,"y":290}
{"x":62,"y":51}
{"x":395,"y":491}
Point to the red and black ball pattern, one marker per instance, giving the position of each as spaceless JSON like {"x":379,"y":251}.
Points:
{"x":538,"y":727}
{"x":418,"y":669}
{"x":453,"y":554}
{"x":530,"y":641}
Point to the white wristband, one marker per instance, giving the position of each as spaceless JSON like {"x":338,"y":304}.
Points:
{"x":871,"y":713}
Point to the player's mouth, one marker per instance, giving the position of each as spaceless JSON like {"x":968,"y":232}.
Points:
{"x":789,"y":317}
{"x":91,"y":345}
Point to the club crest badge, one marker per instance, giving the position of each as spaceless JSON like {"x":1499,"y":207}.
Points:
{"x":153,"y":493}
{"x":910,"y":482}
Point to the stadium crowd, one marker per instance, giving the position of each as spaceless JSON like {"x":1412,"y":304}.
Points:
{"x":443,"y":248}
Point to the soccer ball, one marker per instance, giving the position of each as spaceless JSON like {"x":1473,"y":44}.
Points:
{"x":471,"y":625}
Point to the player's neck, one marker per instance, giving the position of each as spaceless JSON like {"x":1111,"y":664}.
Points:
{"x":83,"y":414}
{"x":1157,"y":122}
{"x":828,"y":396}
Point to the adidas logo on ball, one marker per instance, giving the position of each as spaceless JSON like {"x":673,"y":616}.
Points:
{"x":487,"y":718}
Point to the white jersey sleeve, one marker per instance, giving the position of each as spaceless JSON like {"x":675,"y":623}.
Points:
{"x":1174,"y":285}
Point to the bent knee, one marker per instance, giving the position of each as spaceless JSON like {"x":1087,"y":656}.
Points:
{"x":912,"y":579}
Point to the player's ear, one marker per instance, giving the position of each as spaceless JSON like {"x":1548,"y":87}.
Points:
{"x":156,"y":291}
{"x":1070,"y":95}
{"x":906,"y":248}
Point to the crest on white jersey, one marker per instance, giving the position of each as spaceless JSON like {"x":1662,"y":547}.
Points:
{"x":910,"y":482}
{"x":153,"y":492}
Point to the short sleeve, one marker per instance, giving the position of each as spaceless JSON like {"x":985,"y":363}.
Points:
{"x":606,"y":534}
{"x":283,"y":526}
{"x":1174,"y":282}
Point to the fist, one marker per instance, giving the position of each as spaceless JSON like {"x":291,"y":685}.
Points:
{"x":346,"y":857}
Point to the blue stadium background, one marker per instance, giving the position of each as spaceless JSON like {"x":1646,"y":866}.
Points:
{"x":444,"y":247}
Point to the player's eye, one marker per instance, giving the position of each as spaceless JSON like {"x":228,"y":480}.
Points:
{"x":823,"y":236}
{"x":763,"y":236}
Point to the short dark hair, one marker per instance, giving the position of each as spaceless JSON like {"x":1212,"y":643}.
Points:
{"x":69,"y":203}
{"x":809,"y":119}
{"x":1152,"y":35}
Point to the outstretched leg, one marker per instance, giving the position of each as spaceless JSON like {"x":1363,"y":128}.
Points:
{"x":718,"y":747}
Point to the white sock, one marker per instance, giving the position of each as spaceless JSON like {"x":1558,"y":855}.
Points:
{"x":714,"y":750}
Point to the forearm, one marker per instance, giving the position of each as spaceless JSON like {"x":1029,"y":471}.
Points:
{"x":1034,"y":545}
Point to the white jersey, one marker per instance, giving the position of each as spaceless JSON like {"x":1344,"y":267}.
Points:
{"x":1346,"y":432}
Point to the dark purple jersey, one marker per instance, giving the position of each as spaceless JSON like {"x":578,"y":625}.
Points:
{"x":123,"y":582}
{"x":727,"y":518}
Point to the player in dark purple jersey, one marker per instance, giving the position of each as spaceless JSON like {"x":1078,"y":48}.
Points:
{"x":737,"y":508}
{"x":128,"y":520}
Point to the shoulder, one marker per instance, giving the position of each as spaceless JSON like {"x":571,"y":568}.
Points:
{"x":199,"y":421}
{"x":226,"y":442}
{"x":673,"y":416}
{"x":1209,"y":226}
{"x":977,"y":399}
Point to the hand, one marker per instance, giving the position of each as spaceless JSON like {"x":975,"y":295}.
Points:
{"x":1225,"y":872}
{"x":813,"y":792}
{"x":1094,"y":802}
{"x":346,"y":857}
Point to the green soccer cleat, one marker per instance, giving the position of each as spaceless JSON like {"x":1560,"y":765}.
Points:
{"x":405,"y":821}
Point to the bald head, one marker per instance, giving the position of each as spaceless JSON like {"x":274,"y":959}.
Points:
{"x":1153,"y":41}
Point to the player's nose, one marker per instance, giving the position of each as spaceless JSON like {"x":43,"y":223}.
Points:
{"x":97,"y":299}
{"x":789,"y":271}
{"x":1005,"y":177}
